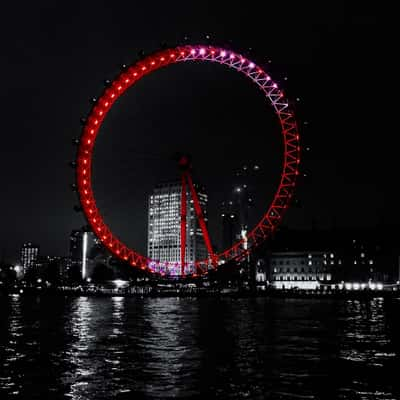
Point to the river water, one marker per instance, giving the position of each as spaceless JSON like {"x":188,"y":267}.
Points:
{"x":258,"y":348}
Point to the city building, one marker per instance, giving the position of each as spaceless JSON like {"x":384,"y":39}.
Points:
{"x":363,"y":261}
{"x":302,"y":270}
{"x":164,"y":229}
{"x":235,"y":216}
{"x":47,"y":269}
{"x":368,"y":255}
{"x":260,"y":271}
{"x":82,"y":244}
{"x":230,"y":228}
{"x":66,"y":266}
{"x":29,"y":257}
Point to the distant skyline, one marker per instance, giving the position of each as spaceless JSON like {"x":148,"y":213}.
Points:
{"x":58,"y":56}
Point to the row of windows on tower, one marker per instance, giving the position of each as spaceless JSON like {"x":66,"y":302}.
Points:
{"x":296,"y":270}
{"x":302,"y":278}
{"x":304,"y":262}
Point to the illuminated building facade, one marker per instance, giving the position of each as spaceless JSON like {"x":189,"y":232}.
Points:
{"x":164,"y":216}
{"x":302,"y":270}
{"x":29,"y":256}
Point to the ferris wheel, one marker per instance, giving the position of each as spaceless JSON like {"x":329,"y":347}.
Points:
{"x":274,"y":211}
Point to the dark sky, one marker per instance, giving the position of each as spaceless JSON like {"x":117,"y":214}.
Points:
{"x":56,"y":55}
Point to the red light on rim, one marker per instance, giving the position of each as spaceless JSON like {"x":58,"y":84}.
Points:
{"x":198,"y":53}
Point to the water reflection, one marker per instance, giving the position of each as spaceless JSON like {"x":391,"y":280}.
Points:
{"x":10,"y":354}
{"x":80,"y":326}
{"x":365,"y":325}
{"x":365,"y":344}
{"x":172,"y":356}
{"x":103,"y":348}
{"x":114,"y":335}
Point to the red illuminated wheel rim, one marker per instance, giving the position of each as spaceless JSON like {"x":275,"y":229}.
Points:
{"x":128,"y":78}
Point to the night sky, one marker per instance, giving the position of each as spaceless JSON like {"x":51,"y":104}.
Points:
{"x":331,"y":55}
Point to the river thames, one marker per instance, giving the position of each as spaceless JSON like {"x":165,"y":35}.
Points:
{"x":200,"y":348}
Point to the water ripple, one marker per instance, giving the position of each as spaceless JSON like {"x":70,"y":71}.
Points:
{"x":102,"y":348}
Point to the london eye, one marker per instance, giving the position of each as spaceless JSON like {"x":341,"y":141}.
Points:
{"x":274,"y":211}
